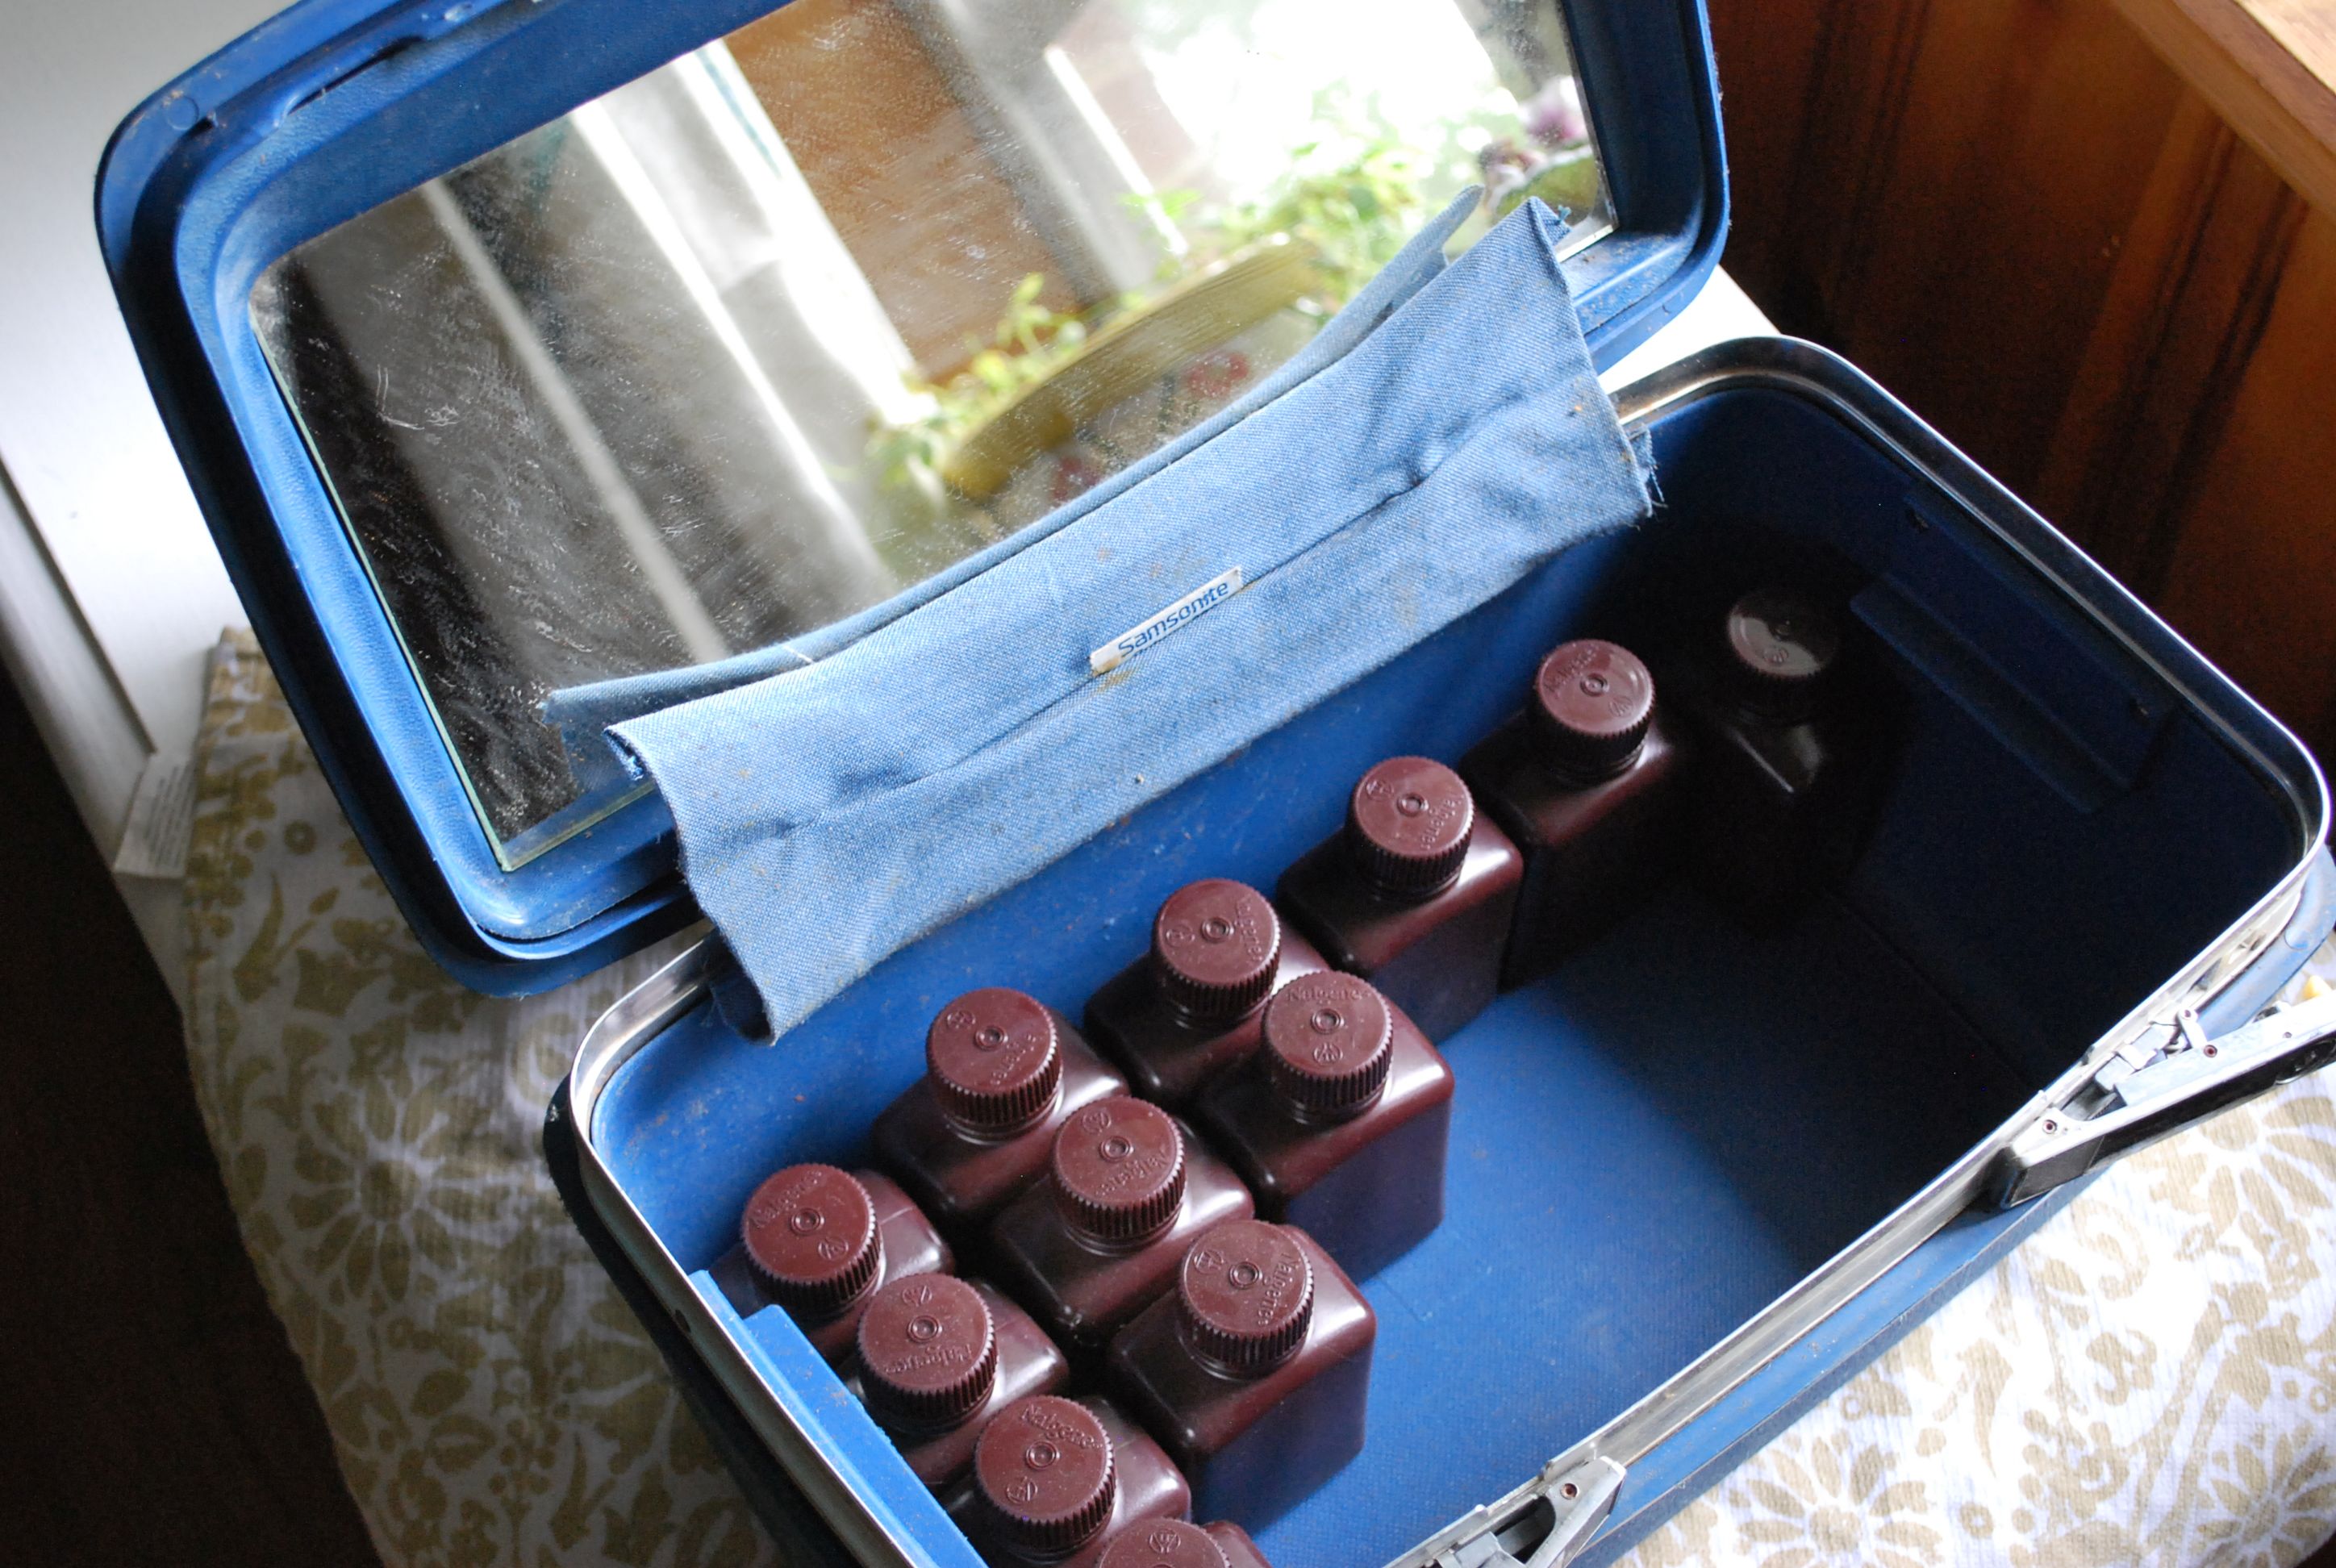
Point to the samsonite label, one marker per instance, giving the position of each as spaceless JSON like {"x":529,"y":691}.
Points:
{"x":1146,"y":632}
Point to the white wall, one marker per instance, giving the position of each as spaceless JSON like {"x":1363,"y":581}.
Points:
{"x":109,"y":588}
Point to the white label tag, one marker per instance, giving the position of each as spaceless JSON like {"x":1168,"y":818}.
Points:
{"x":161,"y":820}
{"x":1146,"y":632}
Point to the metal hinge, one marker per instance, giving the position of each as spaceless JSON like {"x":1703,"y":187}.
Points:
{"x":2167,"y":1077}
{"x":1544,"y":1528}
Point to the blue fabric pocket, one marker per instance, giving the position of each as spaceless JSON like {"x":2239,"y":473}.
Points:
{"x":830,"y":815}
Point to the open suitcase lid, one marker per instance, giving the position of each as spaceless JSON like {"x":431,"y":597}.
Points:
{"x":365,"y":229}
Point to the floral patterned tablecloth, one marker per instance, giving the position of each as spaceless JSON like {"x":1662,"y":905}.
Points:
{"x":2149,"y":1378}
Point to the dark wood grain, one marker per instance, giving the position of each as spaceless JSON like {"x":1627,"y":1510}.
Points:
{"x":2250,"y":571}
{"x":150,"y":1408}
{"x":2267,"y":65}
{"x":2022,"y":222}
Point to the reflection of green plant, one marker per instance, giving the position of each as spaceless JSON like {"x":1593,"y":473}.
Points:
{"x":1030,"y":340}
{"x":1356,"y":210}
{"x":1355,"y":199}
{"x":1569,"y":184}
{"x":1353,"y":193}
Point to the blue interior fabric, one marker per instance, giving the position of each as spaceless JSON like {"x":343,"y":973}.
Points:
{"x":1652,"y":1142}
{"x":831,"y":814}
{"x":581,"y":714}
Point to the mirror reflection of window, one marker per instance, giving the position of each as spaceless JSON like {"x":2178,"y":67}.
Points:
{"x":804,"y":317}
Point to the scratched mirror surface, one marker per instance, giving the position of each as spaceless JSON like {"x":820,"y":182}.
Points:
{"x":761,"y":339}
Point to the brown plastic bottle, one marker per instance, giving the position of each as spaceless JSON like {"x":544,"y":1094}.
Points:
{"x":1782,"y":780}
{"x":1180,"y":1544}
{"x":1415,"y":895}
{"x":938,"y":1357}
{"x":820,"y":1242}
{"x":1339,"y":1125}
{"x":1585,"y":781}
{"x":1003,"y":1071}
{"x":1190,"y":1008}
{"x":1255,"y":1373}
{"x":1054,"y":1479}
{"x":1095,"y":1242}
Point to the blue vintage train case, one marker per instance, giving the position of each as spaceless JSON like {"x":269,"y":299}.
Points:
{"x":533,"y":359}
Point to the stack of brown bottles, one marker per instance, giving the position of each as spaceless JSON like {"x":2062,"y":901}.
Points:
{"x":1190,"y":1009}
{"x":1128,"y":1189}
{"x":819,"y":1243}
{"x":1124,"y":1243}
{"x":1201,"y":1274}
{"x":1584,"y":783}
{"x":1055,"y":1479}
{"x":1003,"y":1073}
{"x":1414,"y":895}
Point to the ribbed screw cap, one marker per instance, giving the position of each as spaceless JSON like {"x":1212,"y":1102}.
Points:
{"x":1245,"y":1296}
{"x":1408,"y":824}
{"x":994,"y":1059}
{"x":810,"y":1233}
{"x":927,"y":1352}
{"x":1162,"y":1543}
{"x":1329,"y":1041}
{"x":1592,"y":702}
{"x":1119,"y":1170}
{"x":1215,"y":947}
{"x":1782,"y":643}
{"x":1044,"y":1474}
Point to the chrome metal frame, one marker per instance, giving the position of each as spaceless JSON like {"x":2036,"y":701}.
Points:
{"x":1806,"y":371}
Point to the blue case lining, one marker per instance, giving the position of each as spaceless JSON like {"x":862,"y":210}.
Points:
{"x":1678,"y":1123}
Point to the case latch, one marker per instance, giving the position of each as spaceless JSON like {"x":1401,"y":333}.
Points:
{"x":1571,"y":1503}
{"x":2161,"y":1081}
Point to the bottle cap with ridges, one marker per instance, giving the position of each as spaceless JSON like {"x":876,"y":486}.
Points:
{"x":1119,"y":1170}
{"x":1044,"y":1474}
{"x":927,"y":1352}
{"x":1215,"y":947}
{"x":810,"y":1233}
{"x":994,"y":1060}
{"x":1592,"y":702}
{"x":1782,"y":644}
{"x":1328,"y":1040}
{"x":1408,"y":824}
{"x":1245,"y":1296}
{"x":1162,"y":1543}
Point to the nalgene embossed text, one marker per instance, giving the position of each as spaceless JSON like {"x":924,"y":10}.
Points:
{"x":1128,"y":1188}
{"x":1003,"y":1072}
{"x":938,"y":1357}
{"x":1414,"y":895}
{"x":818,"y":1243}
{"x":1054,"y":1479}
{"x":1584,"y":783}
{"x":1254,"y":1373}
{"x":1190,"y":1008}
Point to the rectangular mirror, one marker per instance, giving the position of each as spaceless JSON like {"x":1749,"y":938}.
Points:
{"x":799,"y":319}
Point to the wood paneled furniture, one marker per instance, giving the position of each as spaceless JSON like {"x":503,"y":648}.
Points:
{"x":2023,"y":220}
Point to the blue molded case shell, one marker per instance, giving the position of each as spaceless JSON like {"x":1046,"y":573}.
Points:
{"x":337,"y":105}
{"x":1676,"y":1475}
{"x":1685,"y":1127}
